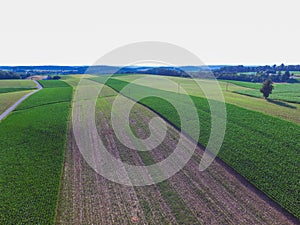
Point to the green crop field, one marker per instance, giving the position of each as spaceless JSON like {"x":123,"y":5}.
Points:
{"x":284,"y":92}
{"x":245,"y":84}
{"x":32,"y":147}
{"x":53,"y":83}
{"x":287,"y":111}
{"x":54,"y":95}
{"x":263,"y":149}
{"x":8,"y":99}
{"x":16,"y":85}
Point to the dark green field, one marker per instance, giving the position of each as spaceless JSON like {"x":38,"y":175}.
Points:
{"x":32,"y":148}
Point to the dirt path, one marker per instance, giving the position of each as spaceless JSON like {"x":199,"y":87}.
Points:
{"x":214,"y":196}
{"x":10,"y":109}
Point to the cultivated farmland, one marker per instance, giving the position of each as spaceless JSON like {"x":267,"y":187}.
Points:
{"x":268,"y":156}
{"x":286,"y":111}
{"x":215,"y":196}
{"x":47,"y":180}
{"x":16,"y":85}
{"x":13,"y":90}
{"x":284,"y":92}
{"x":8,"y":99}
{"x":32,"y":149}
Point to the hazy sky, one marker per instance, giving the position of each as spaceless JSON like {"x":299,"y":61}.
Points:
{"x":218,"y":31}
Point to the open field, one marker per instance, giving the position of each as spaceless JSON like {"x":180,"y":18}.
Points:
{"x":215,"y":196}
{"x":47,"y":181}
{"x":261,"y":148}
{"x":283,"y":110}
{"x":54,"y":95}
{"x":8,"y":99}
{"x":16,"y":85}
{"x":32,"y":149}
{"x":283,"y":92}
{"x":74,"y":79}
{"x":13,"y":90}
{"x":296,"y":73}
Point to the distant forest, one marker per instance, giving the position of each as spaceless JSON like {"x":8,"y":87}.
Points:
{"x":281,"y":73}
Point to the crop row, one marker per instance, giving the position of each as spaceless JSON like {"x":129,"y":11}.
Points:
{"x":179,"y":210}
{"x":31,"y":158}
{"x":261,"y":148}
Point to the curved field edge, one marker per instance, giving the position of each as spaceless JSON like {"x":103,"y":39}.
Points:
{"x":261,"y":148}
{"x":8,"y":99}
{"x":32,"y":151}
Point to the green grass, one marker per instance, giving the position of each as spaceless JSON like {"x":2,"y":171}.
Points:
{"x":7,"y":90}
{"x":53,"y":83}
{"x":245,"y":84}
{"x":290,"y":111}
{"x":8,"y":99}
{"x":74,"y":79}
{"x":16,"y":85}
{"x":32,"y":151}
{"x":263,"y":149}
{"x":50,"y":94}
{"x":284,"y":92}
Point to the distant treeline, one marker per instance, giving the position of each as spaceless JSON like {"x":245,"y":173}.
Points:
{"x":11,"y":75}
{"x":241,"y":73}
{"x":22,"y":72}
{"x":279,"y":73}
{"x":269,"y":69}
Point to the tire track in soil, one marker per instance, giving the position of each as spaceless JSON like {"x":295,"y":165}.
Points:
{"x":94,"y":199}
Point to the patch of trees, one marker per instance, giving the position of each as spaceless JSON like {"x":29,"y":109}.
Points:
{"x":43,"y":70}
{"x":258,"y":73}
{"x":9,"y":75}
{"x":55,"y":77}
{"x":258,"y":77}
{"x":267,"y":68}
{"x":167,"y":71}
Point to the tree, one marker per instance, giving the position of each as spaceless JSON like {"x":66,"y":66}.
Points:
{"x":56,"y":77}
{"x":286,"y":76}
{"x":267,"y":88}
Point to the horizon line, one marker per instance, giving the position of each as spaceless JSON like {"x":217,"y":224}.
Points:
{"x":82,"y":65}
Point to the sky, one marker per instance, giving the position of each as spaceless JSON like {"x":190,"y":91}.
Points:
{"x":64,"y":32}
